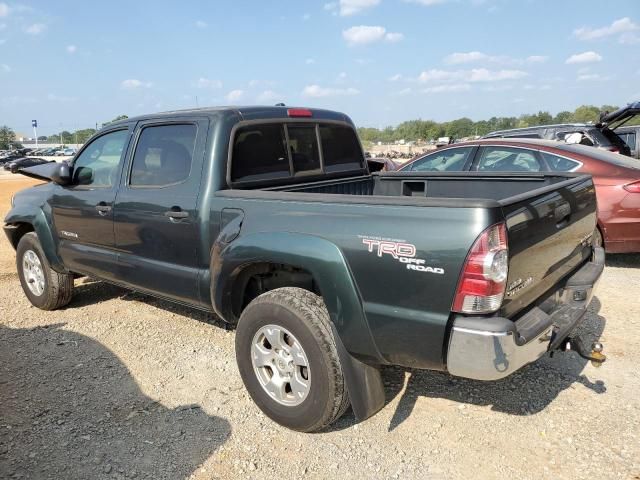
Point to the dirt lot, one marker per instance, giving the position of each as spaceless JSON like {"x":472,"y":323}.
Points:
{"x":120,"y":385}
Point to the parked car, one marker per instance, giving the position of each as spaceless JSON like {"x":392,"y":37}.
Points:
{"x":9,"y":156}
{"x":617,"y":178}
{"x":631,"y":136}
{"x":381,"y":164}
{"x":592,"y":135}
{"x":66,"y":152}
{"x":14,"y":165}
{"x":273,"y":221}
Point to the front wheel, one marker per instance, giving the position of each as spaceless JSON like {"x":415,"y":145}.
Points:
{"x":44,"y":287}
{"x":288,"y":360}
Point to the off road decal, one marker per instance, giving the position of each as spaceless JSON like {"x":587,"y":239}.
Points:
{"x":399,"y":250}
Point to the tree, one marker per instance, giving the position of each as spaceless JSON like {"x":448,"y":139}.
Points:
{"x":7,"y":137}
{"x":586,"y":113}
{"x":563,"y":117}
{"x":119,"y":117}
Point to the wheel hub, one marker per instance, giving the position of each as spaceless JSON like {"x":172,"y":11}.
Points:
{"x":281,"y":365}
{"x":33,"y":272}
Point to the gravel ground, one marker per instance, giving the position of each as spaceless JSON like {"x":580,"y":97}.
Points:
{"x":120,"y":385}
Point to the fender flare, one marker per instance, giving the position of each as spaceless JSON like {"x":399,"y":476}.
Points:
{"x":41,"y":226}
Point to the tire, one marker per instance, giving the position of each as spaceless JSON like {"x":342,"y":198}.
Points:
{"x":44,"y":287}
{"x":297,"y":320}
{"x":597,"y":240}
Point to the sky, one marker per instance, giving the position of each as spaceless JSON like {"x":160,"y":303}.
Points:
{"x":72,"y":64}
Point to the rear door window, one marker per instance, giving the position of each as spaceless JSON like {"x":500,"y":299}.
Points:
{"x":506,"y":159}
{"x":340,"y":148}
{"x":163,"y":155}
{"x":303,"y":145}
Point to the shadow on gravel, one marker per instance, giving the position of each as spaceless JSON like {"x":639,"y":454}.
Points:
{"x":89,"y":292}
{"x":526,"y":392}
{"x":70,"y":409}
{"x":625,"y":260}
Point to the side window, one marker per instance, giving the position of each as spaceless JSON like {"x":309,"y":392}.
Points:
{"x":163,"y":155}
{"x":97,"y":165}
{"x":629,"y":138}
{"x":303,"y":144}
{"x":449,"y":160}
{"x":559,"y":164}
{"x":505,"y":159}
{"x":259,"y":153}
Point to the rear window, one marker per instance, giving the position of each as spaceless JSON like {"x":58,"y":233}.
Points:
{"x":278,"y":151}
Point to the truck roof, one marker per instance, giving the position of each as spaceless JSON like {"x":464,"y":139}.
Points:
{"x":252,"y":112}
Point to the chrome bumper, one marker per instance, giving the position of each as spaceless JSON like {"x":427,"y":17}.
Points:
{"x":493,"y":348}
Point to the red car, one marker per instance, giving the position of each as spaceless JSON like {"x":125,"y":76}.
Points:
{"x":617,"y":178}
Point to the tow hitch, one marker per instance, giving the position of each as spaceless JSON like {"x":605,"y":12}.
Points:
{"x":596,"y":356}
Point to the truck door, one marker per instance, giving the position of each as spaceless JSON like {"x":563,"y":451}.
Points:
{"x":155,"y":215}
{"x":83,"y":211}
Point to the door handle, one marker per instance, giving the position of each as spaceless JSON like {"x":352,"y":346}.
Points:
{"x":176,"y":214}
{"x":103,"y":208}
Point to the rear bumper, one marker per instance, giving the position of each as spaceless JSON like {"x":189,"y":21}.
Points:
{"x":492,"y":348}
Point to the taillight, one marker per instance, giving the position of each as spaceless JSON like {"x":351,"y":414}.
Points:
{"x":632,"y":187}
{"x":484,"y":276}
{"x":299,"y":112}
{"x":614,"y":149}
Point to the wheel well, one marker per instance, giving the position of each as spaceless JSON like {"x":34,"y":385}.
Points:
{"x":257,"y":279}
{"x":20,"y":230}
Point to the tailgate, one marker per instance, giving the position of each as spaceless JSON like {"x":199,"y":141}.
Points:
{"x":549,"y":235}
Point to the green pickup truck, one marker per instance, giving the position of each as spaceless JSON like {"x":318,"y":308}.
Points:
{"x":270,"y":218}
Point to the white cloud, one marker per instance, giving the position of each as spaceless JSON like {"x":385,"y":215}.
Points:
{"x":456,"y":87}
{"x":456,"y":58}
{"x":402,"y":93}
{"x":316,"y":91}
{"x":5,"y":68}
{"x":132,"y":84}
{"x":593,"y":77}
{"x":331,"y":7}
{"x":269,"y":96}
{"x":484,"y":75}
{"x":395,"y":78}
{"x":351,"y":7}
{"x":310,"y":61}
{"x":426,"y":3}
{"x":393,"y":37}
{"x":475,"y":56}
{"x":201,"y":24}
{"x":536,"y":59}
{"x":35,"y":29}
{"x":306,"y":17}
{"x":617,"y":27}
{"x":4,"y":10}
{"x":366,"y":34}
{"x":234,"y":95}
{"x":203,"y":82}
{"x":71,"y":49}
{"x":629,"y":38}
{"x":473,"y":75}
{"x":585,"y":57}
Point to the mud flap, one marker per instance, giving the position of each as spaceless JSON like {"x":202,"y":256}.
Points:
{"x":364,"y":382}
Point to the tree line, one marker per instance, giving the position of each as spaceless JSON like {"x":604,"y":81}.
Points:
{"x":413,"y":130}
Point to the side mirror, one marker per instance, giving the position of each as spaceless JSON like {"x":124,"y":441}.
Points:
{"x":61,"y":174}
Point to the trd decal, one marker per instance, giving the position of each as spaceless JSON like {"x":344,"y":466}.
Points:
{"x":402,"y":251}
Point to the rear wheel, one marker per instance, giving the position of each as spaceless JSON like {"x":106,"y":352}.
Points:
{"x":44,"y":287}
{"x":288,"y":360}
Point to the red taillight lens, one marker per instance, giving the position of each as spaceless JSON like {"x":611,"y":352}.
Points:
{"x":633,"y":187}
{"x":299,"y":112}
{"x":484,"y":276}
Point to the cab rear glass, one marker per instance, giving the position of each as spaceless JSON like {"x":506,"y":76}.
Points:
{"x":286,"y":150}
